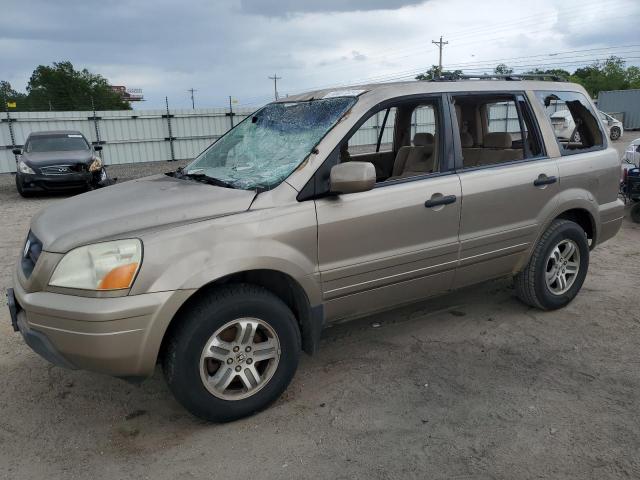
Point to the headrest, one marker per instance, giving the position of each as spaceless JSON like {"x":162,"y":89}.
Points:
{"x":466,"y":139}
{"x":498,"y":140}
{"x":422,"y":139}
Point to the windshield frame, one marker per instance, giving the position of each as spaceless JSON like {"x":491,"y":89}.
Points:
{"x":353,"y":101}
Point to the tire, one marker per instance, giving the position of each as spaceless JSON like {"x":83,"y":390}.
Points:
{"x":614,"y":134}
{"x":23,"y":193}
{"x":635,"y":213}
{"x":576,"y":138}
{"x":195,"y":380}
{"x":532,"y":286}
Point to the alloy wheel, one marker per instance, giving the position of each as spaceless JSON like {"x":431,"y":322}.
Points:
{"x":562,"y":267}
{"x":240,"y":358}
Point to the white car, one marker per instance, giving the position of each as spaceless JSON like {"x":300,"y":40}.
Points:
{"x":613,"y":125}
{"x":565,"y":128}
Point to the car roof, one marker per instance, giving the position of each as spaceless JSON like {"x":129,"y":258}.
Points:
{"x":55,"y":132}
{"x":413,"y":87}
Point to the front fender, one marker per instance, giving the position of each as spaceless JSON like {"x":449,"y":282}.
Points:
{"x":191,"y":256}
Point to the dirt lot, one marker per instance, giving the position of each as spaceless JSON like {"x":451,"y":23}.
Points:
{"x":471,"y":385}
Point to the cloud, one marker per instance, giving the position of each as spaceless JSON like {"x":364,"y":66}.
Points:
{"x":228,"y":47}
{"x":274,"y":8}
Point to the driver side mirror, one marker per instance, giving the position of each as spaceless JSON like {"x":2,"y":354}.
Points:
{"x":97,"y":148}
{"x":609,"y":122}
{"x":17,"y":151}
{"x":352,"y":177}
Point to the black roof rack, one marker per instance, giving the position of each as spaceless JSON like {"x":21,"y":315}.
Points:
{"x":510,"y":77}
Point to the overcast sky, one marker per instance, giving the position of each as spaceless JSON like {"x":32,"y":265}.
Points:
{"x":224,"y":48}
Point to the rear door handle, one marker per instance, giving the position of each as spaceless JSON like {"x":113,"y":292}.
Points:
{"x":440,"y":200}
{"x":544,"y":180}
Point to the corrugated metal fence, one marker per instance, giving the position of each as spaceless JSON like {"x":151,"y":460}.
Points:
{"x":127,"y":136}
{"x":626,"y":102}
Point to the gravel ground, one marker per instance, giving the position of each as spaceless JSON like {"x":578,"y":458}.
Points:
{"x":469,"y":385}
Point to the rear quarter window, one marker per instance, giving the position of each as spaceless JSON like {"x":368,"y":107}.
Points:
{"x":575,"y":124}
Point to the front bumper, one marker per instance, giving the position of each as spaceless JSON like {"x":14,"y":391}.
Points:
{"x":119,"y":336}
{"x":39,"y":182}
{"x":38,"y":342}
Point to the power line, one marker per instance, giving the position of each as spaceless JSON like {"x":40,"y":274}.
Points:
{"x":410,"y":74}
{"x":494,"y":27}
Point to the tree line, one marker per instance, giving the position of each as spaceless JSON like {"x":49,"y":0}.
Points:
{"x":62,"y":87}
{"x":610,"y":74}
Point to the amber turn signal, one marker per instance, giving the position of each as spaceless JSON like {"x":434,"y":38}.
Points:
{"x":119,"y":277}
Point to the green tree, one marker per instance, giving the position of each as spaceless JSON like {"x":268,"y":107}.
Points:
{"x":8,"y":94}
{"x":633,"y":77}
{"x":556,"y":72}
{"x":608,"y":75}
{"x":62,"y":87}
{"x":502,"y":69}
{"x":434,"y":72}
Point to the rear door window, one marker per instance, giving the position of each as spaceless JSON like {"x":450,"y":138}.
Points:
{"x":575,"y":124}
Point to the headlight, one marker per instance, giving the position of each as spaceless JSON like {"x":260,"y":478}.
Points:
{"x":101,"y":266}
{"x":24,"y":168}
{"x":95,"y":165}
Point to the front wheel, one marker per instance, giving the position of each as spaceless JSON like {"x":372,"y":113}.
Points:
{"x":232,"y":353}
{"x":23,"y":193}
{"x":557,"y":268}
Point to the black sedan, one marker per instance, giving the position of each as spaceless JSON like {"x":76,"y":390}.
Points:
{"x":57,"y":161}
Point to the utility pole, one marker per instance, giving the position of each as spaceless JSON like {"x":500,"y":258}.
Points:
{"x":440,"y":45}
{"x":275,"y":79}
{"x":231,"y":110}
{"x":193,"y":103}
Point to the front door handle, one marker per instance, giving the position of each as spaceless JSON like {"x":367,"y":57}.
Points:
{"x":544,"y":180}
{"x":439,"y":200}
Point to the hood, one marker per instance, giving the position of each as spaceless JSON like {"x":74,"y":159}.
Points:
{"x":44,"y":159}
{"x":130,"y":207}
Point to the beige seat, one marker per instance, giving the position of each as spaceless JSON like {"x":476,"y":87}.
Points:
{"x":415,"y":160}
{"x":471,"y":155}
{"x":496,"y":149}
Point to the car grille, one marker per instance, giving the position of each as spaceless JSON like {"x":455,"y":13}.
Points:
{"x":61,"y":169}
{"x":30,"y":254}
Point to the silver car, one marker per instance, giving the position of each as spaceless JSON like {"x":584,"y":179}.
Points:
{"x":318,"y":208}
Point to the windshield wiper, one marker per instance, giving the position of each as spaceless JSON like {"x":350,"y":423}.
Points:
{"x":200,"y":176}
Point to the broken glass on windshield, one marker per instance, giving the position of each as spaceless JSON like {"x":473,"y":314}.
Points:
{"x":265,"y":148}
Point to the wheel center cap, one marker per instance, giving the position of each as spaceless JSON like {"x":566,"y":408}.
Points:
{"x":240,"y":357}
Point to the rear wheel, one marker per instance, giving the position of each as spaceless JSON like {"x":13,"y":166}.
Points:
{"x":232,"y":353}
{"x":557,"y":268}
{"x":635,"y":213}
{"x":576,"y":138}
{"x":614,"y":134}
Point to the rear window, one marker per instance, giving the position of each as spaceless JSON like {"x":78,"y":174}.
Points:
{"x":574,"y":122}
{"x":56,"y":143}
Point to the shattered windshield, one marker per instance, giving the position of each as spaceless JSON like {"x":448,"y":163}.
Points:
{"x":266,"y":147}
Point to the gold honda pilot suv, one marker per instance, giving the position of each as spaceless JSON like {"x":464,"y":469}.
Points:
{"x":317,"y":208}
